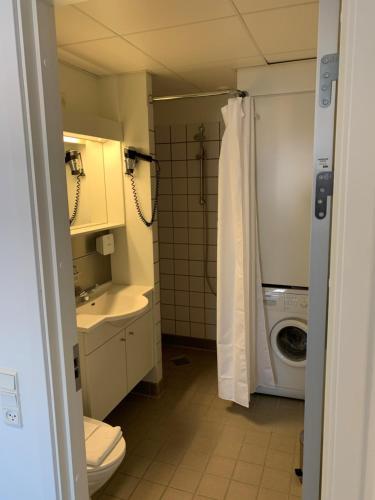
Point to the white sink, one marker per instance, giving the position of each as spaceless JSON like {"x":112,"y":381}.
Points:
{"x":110,"y":303}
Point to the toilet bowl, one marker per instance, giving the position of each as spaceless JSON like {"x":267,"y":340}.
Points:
{"x":100,"y":474}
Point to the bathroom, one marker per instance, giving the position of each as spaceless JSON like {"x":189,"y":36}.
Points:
{"x":222,"y":450}
{"x":188,"y":185}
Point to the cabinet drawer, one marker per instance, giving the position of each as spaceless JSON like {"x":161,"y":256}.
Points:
{"x":139,"y":349}
{"x":99,"y":336}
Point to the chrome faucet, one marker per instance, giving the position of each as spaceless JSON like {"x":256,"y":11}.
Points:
{"x":84,"y":296}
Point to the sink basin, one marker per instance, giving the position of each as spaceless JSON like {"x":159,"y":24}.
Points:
{"x":111,"y":304}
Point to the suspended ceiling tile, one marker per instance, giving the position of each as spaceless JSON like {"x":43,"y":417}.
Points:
{"x":245,"y":6}
{"x":74,"y":60}
{"x":291,"y":56}
{"x":218,"y":75}
{"x":72,"y":26}
{"x":284,"y":30}
{"x":115,"y":55}
{"x":170,"y":84}
{"x":197,"y":43}
{"x":211,"y":80}
{"x":131,"y":16}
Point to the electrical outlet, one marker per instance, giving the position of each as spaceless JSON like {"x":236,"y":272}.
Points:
{"x":12,"y":416}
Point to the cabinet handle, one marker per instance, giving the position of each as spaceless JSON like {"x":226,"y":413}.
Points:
{"x":122,"y":340}
{"x":131,"y":333}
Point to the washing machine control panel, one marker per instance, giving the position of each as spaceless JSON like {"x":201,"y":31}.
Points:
{"x":284,"y":300}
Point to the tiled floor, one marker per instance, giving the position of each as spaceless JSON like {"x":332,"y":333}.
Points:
{"x":191,"y":445}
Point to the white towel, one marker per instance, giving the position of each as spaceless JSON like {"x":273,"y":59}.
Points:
{"x":100,"y":443}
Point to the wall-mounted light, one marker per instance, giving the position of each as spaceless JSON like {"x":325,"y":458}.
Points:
{"x":72,"y":140}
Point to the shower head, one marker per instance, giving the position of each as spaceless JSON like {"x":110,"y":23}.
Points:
{"x":199,"y":136}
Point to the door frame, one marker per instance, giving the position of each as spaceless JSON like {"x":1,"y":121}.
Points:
{"x":349,"y":426}
{"x":346,"y":454}
{"x":33,"y":139}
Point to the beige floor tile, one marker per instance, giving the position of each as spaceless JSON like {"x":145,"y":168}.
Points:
{"x":257,"y":438}
{"x":228,"y":448}
{"x":203,"y":444}
{"x":172,"y":494}
{"x":253,"y":454}
{"x":279,"y":460}
{"x":276,"y":480}
{"x":221,"y":466}
{"x":280,"y":442}
{"x":159,"y":472}
{"x":265,"y":494}
{"x":121,"y":486}
{"x":248,"y":473}
{"x":147,"y":448}
{"x":185,"y":479}
{"x":241,"y":491}
{"x":213,"y":487}
{"x":134,"y":465}
{"x":196,"y":460}
{"x":171,"y":453}
{"x":148,"y":491}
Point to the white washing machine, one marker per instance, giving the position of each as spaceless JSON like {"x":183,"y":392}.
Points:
{"x":286,"y":314}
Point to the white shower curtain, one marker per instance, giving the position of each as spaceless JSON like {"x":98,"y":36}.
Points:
{"x":242,"y":344}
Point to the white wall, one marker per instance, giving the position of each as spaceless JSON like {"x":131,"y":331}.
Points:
{"x":203,"y":109}
{"x":78,"y":89}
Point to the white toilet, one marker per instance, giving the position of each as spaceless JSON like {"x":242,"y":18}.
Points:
{"x":98,"y":475}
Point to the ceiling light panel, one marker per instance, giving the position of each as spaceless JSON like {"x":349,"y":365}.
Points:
{"x":285,"y":30}
{"x":197,"y":43}
{"x":72,"y":26}
{"x":132,"y":16}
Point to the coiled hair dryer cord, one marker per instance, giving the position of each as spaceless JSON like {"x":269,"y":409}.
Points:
{"x":136,"y":200}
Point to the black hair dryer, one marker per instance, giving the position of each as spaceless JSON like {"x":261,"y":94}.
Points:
{"x":74,"y":160}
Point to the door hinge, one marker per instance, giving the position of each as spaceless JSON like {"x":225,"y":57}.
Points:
{"x":329,"y":72}
{"x":324,"y":188}
{"x":77,"y":367}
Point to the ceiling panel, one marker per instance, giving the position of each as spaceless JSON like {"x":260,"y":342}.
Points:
{"x":197,"y":43}
{"x":115,"y":55}
{"x":291,"y":56}
{"x":255,"y":5}
{"x":131,"y":16}
{"x":74,"y":60}
{"x":218,"y":75}
{"x":285,"y":30}
{"x":171,"y":84}
{"x":72,"y":26}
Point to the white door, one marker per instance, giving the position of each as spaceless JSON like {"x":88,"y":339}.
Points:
{"x":284,"y":148}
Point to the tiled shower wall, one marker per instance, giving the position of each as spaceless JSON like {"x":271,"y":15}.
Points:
{"x":188,"y":308}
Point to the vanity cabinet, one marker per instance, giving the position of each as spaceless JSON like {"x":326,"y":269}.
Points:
{"x":106,"y":381}
{"x":114,"y":359}
{"x":139,"y":349}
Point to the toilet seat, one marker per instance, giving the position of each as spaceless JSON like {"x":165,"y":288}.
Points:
{"x":100,"y":474}
{"x":114,"y":456}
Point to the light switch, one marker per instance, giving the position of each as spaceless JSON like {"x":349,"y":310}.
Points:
{"x":7,"y":381}
{"x":8,"y":400}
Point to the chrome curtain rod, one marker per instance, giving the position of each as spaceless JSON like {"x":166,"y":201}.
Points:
{"x":230,"y":92}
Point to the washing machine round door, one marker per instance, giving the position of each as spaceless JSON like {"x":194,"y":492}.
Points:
{"x":288,"y":341}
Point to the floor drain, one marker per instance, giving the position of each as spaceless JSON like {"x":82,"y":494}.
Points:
{"x":181,"y":360}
